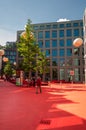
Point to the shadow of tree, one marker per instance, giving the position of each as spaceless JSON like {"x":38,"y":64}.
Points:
{"x":59,"y":119}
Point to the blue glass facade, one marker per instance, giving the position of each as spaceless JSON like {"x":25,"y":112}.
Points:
{"x":47,"y":34}
{"x":57,"y":43}
{"x":47,"y":43}
{"x":61,"y":33}
{"x":56,"y":40}
{"x":54,"y":43}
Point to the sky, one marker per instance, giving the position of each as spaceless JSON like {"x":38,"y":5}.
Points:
{"x":15,"y":13}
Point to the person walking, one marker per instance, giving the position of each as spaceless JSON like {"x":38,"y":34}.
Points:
{"x":33,"y":81}
{"x":4,"y":77}
{"x":38,"y":84}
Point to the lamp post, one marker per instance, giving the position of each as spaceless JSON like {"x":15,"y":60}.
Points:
{"x":77,"y":43}
{"x":5,"y":59}
{"x":1,"y":54}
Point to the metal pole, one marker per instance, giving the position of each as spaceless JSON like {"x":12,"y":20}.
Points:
{"x":0,"y":64}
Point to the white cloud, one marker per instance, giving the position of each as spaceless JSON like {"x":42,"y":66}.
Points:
{"x":6,"y":35}
{"x":62,"y":20}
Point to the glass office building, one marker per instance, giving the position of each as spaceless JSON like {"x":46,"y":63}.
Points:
{"x":56,"y":40}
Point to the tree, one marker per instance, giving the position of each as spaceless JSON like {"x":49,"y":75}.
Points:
{"x":8,"y":70}
{"x":30,"y":51}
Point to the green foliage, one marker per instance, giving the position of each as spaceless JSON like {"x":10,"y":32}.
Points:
{"x":8,"y":69}
{"x":30,"y":51}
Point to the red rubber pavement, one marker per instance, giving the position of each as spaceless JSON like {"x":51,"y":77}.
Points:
{"x":58,"y":107}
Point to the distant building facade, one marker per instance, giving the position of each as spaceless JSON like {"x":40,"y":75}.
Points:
{"x":84,"y":29}
{"x":10,"y":51}
{"x":55,"y":39}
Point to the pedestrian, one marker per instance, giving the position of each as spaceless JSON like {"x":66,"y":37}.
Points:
{"x":33,"y":81}
{"x":38,"y":84}
{"x":4,"y":77}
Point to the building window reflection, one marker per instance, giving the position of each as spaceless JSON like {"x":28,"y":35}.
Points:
{"x":40,"y":34}
{"x":54,"y":73}
{"x":61,"y":33}
{"x":54,"y":43}
{"x":76,"y":32}
{"x":68,"y":32}
{"x":62,"y":62}
{"x":68,"y":61}
{"x":61,"y":52}
{"x":69,"y":52}
{"x":54,"y":34}
{"x":48,"y":52}
{"x":62,"y":74}
{"x":54,"y":62}
{"x":54,"y":52}
{"x":77,"y":74}
{"x":61,"y":43}
{"x":40,"y":43}
{"x":76,"y":62}
{"x":47,"y":43}
{"x":69,"y":42}
{"x":47,"y":34}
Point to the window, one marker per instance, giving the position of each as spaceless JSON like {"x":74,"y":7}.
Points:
{"x":76,"y":62}
{"x":54,"y":26}
{"x":61,"y":25}
{"x":54,"y":52}
{"x":62,"y":74}
{"x":54,"y":43}
{"x":69,"y":52}
{"x":68,"y":25}
{"x":36,"y":27}
{"x":81,"y":24}
{"x":40,"y":43}
{"x":61,"y":33}
{"x":54,"y":73}
{"x":82,"y":32}
{"x":40,"y":34}
{"x":77,"y":74}
{"x":54,"y":34}
{"x":35,"y":34}
{"x":47,"y":43}
{"x":47,"y":34}
{"x":48,"y":26}
{"x":68,"y":32}
{"x":54,"y":62}
{"x":61,"y":52}
{"x":41,"y":27}
{"x":76,"y":32}
{"x":69,"y":42}
{"x":48,"y":52}
{"x":61,"y":43}
{"x":11,"y":52}
{"x":75,"y":24}
{"x":69,"y":61}
{"x":62,"y":62}
{"x":14,"y":53}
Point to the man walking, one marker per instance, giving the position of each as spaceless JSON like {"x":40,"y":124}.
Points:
{"x":38,"y":85}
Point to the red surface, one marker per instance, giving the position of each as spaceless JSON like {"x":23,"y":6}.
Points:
{"x":59,"y":107}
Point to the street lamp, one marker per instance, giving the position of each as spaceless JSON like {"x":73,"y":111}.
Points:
{"x":24,"y":35}
{"x":1,"y":54}
{"x":14,"y":63}
{"x":5,"y":59}
{"x":77,"y":43}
